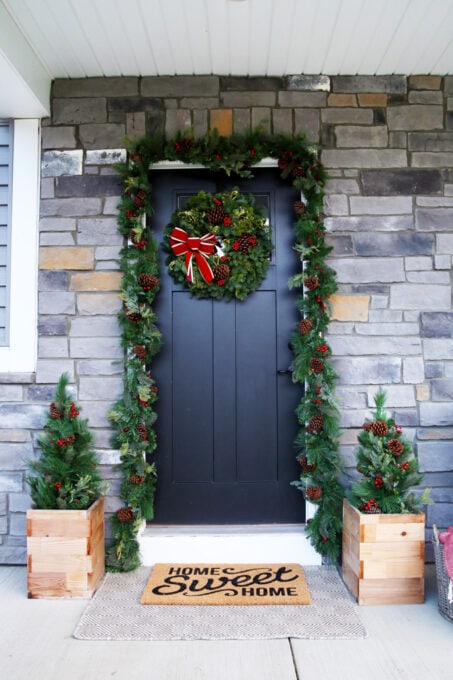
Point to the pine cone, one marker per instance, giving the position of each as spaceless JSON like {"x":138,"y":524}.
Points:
{"x":142,"y":431}
{"x":379,"y":428}
{"x":140,"y":351}
{"x":315,"y":424}
{"x":299,"y":207}
{"x":305,"y":466}
{"x":134,"y":317}
{"x":125,"y":514}
{"x":311,"y":282}
{"x":305,"y":326}
{"x":396,"y":446}
{"x":140,"y":198}
{"x":147,"y":281}
{"x":216,"y":215}
{"x":136,"y":479}
{"x":313,"y":492}
{"x":316,"y":365}
{"x":55,"y":413}
{"x":221,"y":272}
{"x":245,"y":243}
{"x":70,"y":439}
{"x":298,"y":171}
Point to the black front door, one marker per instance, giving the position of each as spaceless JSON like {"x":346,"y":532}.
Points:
{"x":226,"y":421}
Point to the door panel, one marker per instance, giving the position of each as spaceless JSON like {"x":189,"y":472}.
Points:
{"x":226,"y":421}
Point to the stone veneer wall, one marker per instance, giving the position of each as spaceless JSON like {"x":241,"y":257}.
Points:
{"x":388,"y":145}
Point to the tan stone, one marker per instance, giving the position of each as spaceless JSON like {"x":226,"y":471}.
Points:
{"x":222,"y":119}
{"x":349,"y":307}
{"x":341,"y":100}
{"x":69,"y":257}
{"x":96,"y":281}
{"x":424,"y":82}
{"x":422,"y":392}
{"x":373,"y":99}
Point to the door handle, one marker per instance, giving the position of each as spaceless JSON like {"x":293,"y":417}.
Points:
{"x":284,"y":371}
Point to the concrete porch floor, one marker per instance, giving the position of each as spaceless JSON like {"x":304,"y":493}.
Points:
{"x":411,"y":642}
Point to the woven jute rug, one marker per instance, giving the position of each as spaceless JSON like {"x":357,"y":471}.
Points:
{"x":115,"y":613}
{"x":226,"y":584}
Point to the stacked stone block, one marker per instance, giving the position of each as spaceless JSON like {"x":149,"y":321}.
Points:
{"x":387,"y":142}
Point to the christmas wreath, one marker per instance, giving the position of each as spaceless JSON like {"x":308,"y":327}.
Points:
{"x":219,"y":245}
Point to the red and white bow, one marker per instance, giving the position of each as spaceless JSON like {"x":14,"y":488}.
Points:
{"x":183,"y":244}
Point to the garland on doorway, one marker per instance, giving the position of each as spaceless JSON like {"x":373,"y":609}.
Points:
{"x":133,"y":415}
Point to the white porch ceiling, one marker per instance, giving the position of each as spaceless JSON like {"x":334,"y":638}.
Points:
{"x":45,"y":39}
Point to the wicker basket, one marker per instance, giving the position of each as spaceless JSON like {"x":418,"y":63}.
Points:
{"x":443,"y":580}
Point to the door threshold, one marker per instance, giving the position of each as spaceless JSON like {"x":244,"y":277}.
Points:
{"x":245,"y":543}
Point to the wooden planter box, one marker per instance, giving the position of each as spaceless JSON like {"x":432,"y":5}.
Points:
{"x":384,"y":556}
{"x":65,"y":551}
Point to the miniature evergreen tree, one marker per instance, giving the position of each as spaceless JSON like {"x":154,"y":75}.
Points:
{"x":385,"y":459}
{"x":66,"y":476}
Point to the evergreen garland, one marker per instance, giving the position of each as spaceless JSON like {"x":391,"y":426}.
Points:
{"x":66,"y":476}
{"x":134,"y":415}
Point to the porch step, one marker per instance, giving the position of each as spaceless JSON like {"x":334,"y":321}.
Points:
{"x":224,"y":544}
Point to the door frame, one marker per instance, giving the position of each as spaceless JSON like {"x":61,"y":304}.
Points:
{"x":310,"y":508}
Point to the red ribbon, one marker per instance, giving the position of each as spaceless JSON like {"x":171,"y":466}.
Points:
{"x":183,"y":244}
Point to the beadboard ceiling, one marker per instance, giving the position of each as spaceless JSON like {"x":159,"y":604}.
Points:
{"x":45,"y":39}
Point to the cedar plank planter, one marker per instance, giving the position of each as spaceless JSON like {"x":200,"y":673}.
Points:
{"x":383,"y":556}
{"x":65,"y":552}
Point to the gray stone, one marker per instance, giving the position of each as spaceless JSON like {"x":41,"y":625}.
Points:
{"x":419,"y":263}
{"x":342,"y":245}
{"x":58,"y":239}
{"x":430,"y":141}
{"x":401,"y":182}
{"x":50,"y":370}
{"x":310,"y":82}
{"x":261,"y":117}
{"x":370,"y":223}
{"x":442,"y":262}
{"x":123,"y":86}
{"x":61,"y":137}
{"x":380,"y":205}
{"x":420,"y":296}
{"x":395,"y":244}
{"x":249,"y":84}
{"x":390,"y":84}
{"x":57,"y":224}
{"x":11,"y":482}
{"x":438,"y":349}
{"x":57,"y":163}
{"x":336,"y":204}
{"x":105,"y":156}
{"x":449,"y":120}
{"x":436,"y":324}
{"x":11,"y":392}
{"x":98,"y":231}
{"x":398,"y":140}
{"x":88,"y":185}
{"x":374,"y":328}
{"x":422,"y":97}
{"x":345,"y":115}
{"x":248,"y":99}
{"x":432,"y":160}
{"x":200,"y":123}
{"x":448,"y":85}
{"x":19,"y":502}
{"x":12,"y":378}
{"x":199,"y":103}
{"x":384,"y":316}
{"x":413,"y":370}
{"x":47,"y":187}
{"x":41,"y":393}
{"x":118,"y":107}
{"x":282,"y":121}
{"x":21,"y":416}
{"x":106,"y":253}
{"x":13,"y":555}
{"x":364,"y":158}
{"x":51,"y":302}
{"x":434,"y":370}
{"x":107,"y":389}
{"x":307,"y":121}
{"x":358,"y":136}
{"x":435,"y":456}
{"x":136,"y":124}
{"x":111,"y":205}
{"x":92,"y":348}
{"x":98,"y":303}
{"x":69,"y":111}
{"x":176,"y":121}
{"x":328,"y":138}
{"x":70,"y":207}
{"x":437,"y":219}
{"x":106,"y":136}
{"x":445,"y":243}
{"x":98,"y":412}
{"x":85,"y":327}
{"x":179,"y":86}
{"x":241,"y":120}
{"x":52,"y":325}
{"x":368,"y":370}
{"x":296,"y":99}
{"x":99,"y":367}
{"x":436,"y":414}
{"x":435,"y":202}
{"x":429,"y":277}
{"x":442,"y":390}
{"x":398,"y":396}
{"x":341,"y":186}
{"x":361,"y":345}
{"x":369,"y":270}
{"x":50,"y":347}
{"x":18,"y":524}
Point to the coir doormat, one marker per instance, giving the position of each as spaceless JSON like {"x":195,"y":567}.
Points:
{"x":226,"y":584}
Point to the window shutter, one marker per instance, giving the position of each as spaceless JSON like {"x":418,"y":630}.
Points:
{"x":6,"y":144}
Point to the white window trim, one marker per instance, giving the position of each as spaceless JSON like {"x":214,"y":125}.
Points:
{"x":20,"y":355}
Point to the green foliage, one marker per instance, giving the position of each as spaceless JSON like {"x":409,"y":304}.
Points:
{"x":235,"y":155}
{"x":239,"y":218}
{"x":388,"y":467}
{"x":66,"y":475}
